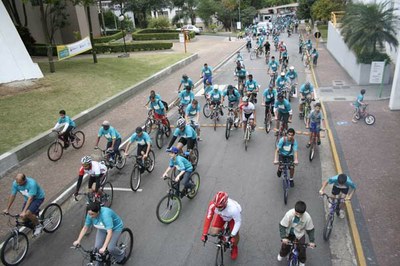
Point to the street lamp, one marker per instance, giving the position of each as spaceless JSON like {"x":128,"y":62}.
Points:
{"x":121,"y":18}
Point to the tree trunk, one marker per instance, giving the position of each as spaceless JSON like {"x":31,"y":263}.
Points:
{"x":46,"y":33}
{"x":91,"y":34}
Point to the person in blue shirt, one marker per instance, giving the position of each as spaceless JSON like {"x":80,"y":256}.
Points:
{"x":282,"y":82}
{"x":269,"y":96}
{"x":315,"y":55}
{"x":186,"y":97}
{"x":305,"y":90}
{"x":309,"y":45}
{"x":186,"y":82}
{"x":192,"y":116}
{"x":293,"y":77}
{"x":184,"y":167}
{"x":33,"y":198}
{"x":251,"y":87}
{"x":286,"y":152}
{"x":233,"y":100}
{"x":314,"y":123}
{"x":112,"y":136}
{"x":143,"y":143}
{"x":109,"y":227}
{"x":215,"y":99}
{"x":283,"y":111}
{"x":206,"y":73}
{"x":341,"y":185}
{"x":186,"y":133}
{"x":68,"y":125}
{"x":273,"y":65}
{"x":240,"y":73}
{"x":276,"y":42}
{"x":358,"y":104}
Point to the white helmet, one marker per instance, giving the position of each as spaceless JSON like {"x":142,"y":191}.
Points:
{"x":291,"y":67}
{"x":180,"y":123}
{"x":86,"y":160}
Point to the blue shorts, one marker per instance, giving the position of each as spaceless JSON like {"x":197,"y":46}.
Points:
{"x":315,"y":127}
{"x":34,"y":207}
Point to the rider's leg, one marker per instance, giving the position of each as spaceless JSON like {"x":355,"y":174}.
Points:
{"x":285,"y":249}
{"x":181,"y":143}
{"x":302,"y":249}
{"x":186,"y":180}
{"x":115,"y":251}
{"x":116,"y":147}
{"x":33,"y":210}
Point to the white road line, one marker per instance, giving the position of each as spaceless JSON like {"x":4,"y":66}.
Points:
{"x":121,"y":189}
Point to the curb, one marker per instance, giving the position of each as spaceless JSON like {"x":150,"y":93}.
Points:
{"x":12,"y":158}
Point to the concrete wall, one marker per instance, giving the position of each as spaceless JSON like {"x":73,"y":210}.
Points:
{"x":16,"y":64}
{"x":394,"y":103}
{"x":347,"y":59}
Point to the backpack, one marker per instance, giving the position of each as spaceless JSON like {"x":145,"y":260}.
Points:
{"x":164,"y":103}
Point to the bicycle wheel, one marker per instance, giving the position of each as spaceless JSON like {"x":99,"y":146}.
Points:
{"x":125,"y":242}
{"x":169,"y":208}
{"x":79,"y":139}
{"x":14,"y":249}
{"x":369,"y":120}
{"x":228,"y":128}
{"x":285,"y":186}
{"x":312,"y":151}
{"x":219,"y":259}
{"x":160,"y":139}
{"x":328,"y":228}
{"x":150,"y":162}
{"x":305,"y":117}
{"x":55,"y":151}
{"x":195,"y":178}
{"x":135,"y":178}
{"x":215,"y":118}
{"x":268,"y":123}
{"x":120,"y":160}
{"x":107,"y":194}
{"x":148,"y":125}
{"x":51,"y":218}
{"x":206,"y":110}
{"x":168,"y":129}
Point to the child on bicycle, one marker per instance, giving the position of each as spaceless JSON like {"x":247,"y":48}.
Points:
{"x":314,"y":123}
{"x":68,"y":125}
{"x":358,"y":104}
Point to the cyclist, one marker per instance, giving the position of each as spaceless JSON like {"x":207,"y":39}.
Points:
{"x":159,"y":110}
{"x":267,"y":46}
{"x":186,"y":97}
{"x":315,"y":55}
{"x":109,"y":227}
{"x":282,"y":82}
{"x":269,"y":96}
{"x":341,"y":184}
{"x":95,"y":170}
{"x":285,"y":59}
{"x":309,"y":45}
{"x":186,"y":133}
{"x":206,"y":73}
{"x":251,"y":87}
{"x":68,"y":124}
{"x":314,"y":123}
{"x":282,"y":48}
{"x":293,"y":78}
{"x":33,"y":198}
{"x":247,"y":111}
{"x":239,"y":59}
{"x":143,"y":144}
{"x":273,"y":65}
{"x":301,"y":44}
{"x":207,"y":89}
{"x":287,"y":151}
{"x":233,"y":99}
{"x":294,"y":226}
{"x":241,"y":73}
{"x":192,"y":116}
{"x":260,"y":42}
{"x":186,"y":82}
{"x":248,"y":42}
{"x":216,"y":97}
{"x":305,"y":90}
{"x":283,"y":111}
{"x":276,"y":42}
{"x":157,"y":97}
{"x":358,"y":104}
{"x":228,"y":211}
{"x":112,"y":136}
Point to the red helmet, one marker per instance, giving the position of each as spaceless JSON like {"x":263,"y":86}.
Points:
{"x":220,"y":199}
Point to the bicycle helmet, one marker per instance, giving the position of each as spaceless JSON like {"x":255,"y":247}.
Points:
{"x":180,"y":123}
{"x":307,"y":84}
{"x":280,"y":95}
{"x":215,"y":87}
{"x":245,"y":99}
{"x":106,"y":123}
{"x":342,"y":179}
{"x":282,"y":74}
{"x":86,"y":160}
{"x":139,"y":130}
{"x":230,"y":87}
{"x":291,"y":67}
{"x":220,"y":199}
{"x":184,"y":76}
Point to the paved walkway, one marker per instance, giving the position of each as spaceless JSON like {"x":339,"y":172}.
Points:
{"x":369,"y":154}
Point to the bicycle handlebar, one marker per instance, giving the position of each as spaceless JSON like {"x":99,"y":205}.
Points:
{"x":11,"y":215}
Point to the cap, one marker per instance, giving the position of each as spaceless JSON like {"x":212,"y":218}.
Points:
{"x":173,"y":150}
{"x":105,"y":123}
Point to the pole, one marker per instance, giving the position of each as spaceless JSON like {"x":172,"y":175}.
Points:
{"x":185,"y":39}
{"x":91,"y":34}
{"x":383,"y":75}
{"x":239,"y":15}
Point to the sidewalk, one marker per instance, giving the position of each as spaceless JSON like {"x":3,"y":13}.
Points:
{"x":369,"y":154}
{"x":55,"y":177}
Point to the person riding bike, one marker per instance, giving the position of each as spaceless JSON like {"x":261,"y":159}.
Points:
{"x":186,"y":82}
{"x":283,"y":110}
{"x":206,"y":73}
{"x":267,"y":46}
{"x":159,"y":110}
{"x":251,"y":87}
{"x":273,"y":65}
{"x":233,"y":99}
{"x":184,"y":167}
{"x":293,"y":227}
{"x":358,"y":104}
{"x":157,"y":97}
{"x":248,"y":42}
{"x":284,"y":59}
{"x":186,"y":97}
{"x":143,"y":143}
{"x":281,"y":48}
{"x":341,"y":184}
{"x":269,"y":96}
{"x":95,"y":170}
{"x":207,"y":89}
{"x":68,"y":125}
{"x":241,"y":73}
{"x":305,"y":90}
{"x":286,"y":151}
{"x":186,"y":133}
{"x":282,"y":82}
{"x":221,"y":210}
{"x":215,"y":98}
{"x":309,"y":45}
{"x":109,"y":227}
{"x":314,"y":123}
{"x":293,"y":77}
{"x":192,"y":116}
{"x":33,"y":198}
{"x":112,"y":136}
{"x":247,"y":112}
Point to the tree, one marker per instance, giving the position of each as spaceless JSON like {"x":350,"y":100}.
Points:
{"x":304,"y":9}
{"x":205,"y":10}
{"x":270,"y":3}
{"x":321,"y":9}
{"x":142,"y":9}
{"x":366,"y":27}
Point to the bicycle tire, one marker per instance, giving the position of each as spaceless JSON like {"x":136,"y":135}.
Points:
{"x":160,"y":139}
{"x":135,"y":178}
{"x":168,"y":129}
{"x":246,"y":138}
{"x":228,"y":129}
{"x":108,"y":194}
{"x":79,"y":139}
{"x":9,"y":246}
{"x":195,"y":178}
{"x":168,"y":202}
{"x":215,"y":118}
{"x":206,"y":110}
{"x":55,"y":151}
{"x":152,"y":159}
{"x":219,"y":258}
{"x":312,"y":152}
{"x":369,"y":120}
{"x":148,"y":125}
{"x":285,"y":186}
{"x":195,"y":158}
{"x":268,"y":123}
{"x":120,"y":160}
{"x":306,"y":113}
{"x":328,"y":227}
{"x":126,"y":241}
{"x":51,"y":218}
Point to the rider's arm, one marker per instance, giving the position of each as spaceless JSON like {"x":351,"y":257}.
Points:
{"x":57,"y":125}
{"x":321,"y":191}
{"x":208,"y":218}
{"x":10,"y":202}
{"x":127,"y":147}
{"x":282,"y":231}
{"x":238,"y":221}
{"x":310,"y":234}
{"x":97,"y":141}
{"x":79,"y":183}
{"x":174,"y":137}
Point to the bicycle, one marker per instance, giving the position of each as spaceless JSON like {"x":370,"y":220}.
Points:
{"x":294,"y":252}
{"x":215,"y":111}
{"x":363,"y":113}
{"x":259,"y":52}
{"x":253,"y":54}
{"x":191,"y":155}
{"x":125,"y":242}
{"x":273,"y":78}
{"x":56,"y":149}
{"x":268,"y":117}
{"x":119,"y":161}
{"x":267,"y":56}
{"x":182,"y":110}
{"x":222,"y":244}
{"x":247,"y":134}
{"x":292,"y":90}
{"x":230,"y":121}
{"x":333,"y":208}
{"x":161,"y":131}
{"x":306,"y":108}
{"x":206,"y":107}
{"x":285,"y":166}
{"x":170,"y":206}
{"x":282,"y":129}
{"x":313,"y":145}
{"x":150,"y":121}
{"x":16,"y":245}
{"x":148,"y":165}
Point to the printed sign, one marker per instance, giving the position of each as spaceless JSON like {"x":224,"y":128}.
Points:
{"x":376,"y":74}
{"x":72,"y":49}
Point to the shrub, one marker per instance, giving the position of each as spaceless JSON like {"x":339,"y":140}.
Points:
{"x":149,"y":30}
{"x":367,"y":58}
{"x":159,"y":23}
{"x":26,"y":37}
{"x":109,"y":38}
{"x":155,"y":36}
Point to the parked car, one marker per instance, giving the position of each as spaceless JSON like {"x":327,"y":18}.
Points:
{"x":193,"y":28}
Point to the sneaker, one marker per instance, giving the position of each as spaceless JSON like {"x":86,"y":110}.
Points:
{"x":308,"y":145}
{"x":279,"y":258}
{"x":341,"y":214}
{"x":236,"y":120}
{"x":291,"y":183}
{"x":38,"y":230}
{"x":279,"y":173}
{"x":234,"y":252}
{"x":301,"y":264}
{"x":66,"y":145}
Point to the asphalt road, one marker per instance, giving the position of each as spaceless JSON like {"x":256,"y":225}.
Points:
{"x":249,"y":178}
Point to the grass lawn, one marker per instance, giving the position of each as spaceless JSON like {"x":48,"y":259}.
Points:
{"x":324,"y":31}
{"x":77,"y":85}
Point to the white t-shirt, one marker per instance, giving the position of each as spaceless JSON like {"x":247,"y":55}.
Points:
{"x":232,"y":211}
{"x":249,"y":108}
{"x":304,"y":224}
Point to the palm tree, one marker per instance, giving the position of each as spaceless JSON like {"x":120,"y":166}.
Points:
{"x":366,"y":27}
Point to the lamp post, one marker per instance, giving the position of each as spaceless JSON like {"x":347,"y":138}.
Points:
{"x":240,"y":23}
{"x":121,"y":18}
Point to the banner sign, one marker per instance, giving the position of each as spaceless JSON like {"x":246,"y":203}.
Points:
{"x":376,"y":74}
{"x":72,"y":49}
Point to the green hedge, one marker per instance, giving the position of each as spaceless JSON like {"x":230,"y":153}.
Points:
{"x":40,"y":49}
{"x":367,"y":58}
{"x":155,"y":31}
{"x":109,"y":38}
{"x":155,"y":36}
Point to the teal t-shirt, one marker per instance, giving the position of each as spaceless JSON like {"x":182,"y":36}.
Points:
{"x":291,"y":74}
{"x":181,"y":163}
{"x":251,"y":85}
{"x":280,"y":82}
{"x":191,"y":112}
{"x":207,"y":71}
{"x":187,"y":133}
{"x":158,"y":107}
{"x":106,"y":220}
{"x":215,"y":95}
{"x":305,"y":91}
{"x":285,"y":147}
{"x":144,"y":139}
{"x":283,"y":106}
{"x":232,"y":97}
{"x":334,"y":181}
{"x":66,"y":120}
{"x":186,"y":97}
{"x":359,"y":98}
{"x":30,"y":189}
{"x":270,"y":95}
{"x":273,"y":65}
{"x":109,"y":134}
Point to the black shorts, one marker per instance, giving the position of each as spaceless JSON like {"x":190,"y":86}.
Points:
{"x":187,"y":141}
{"x":247,"y":116}
{"x":283,"y":117}
{"x":287,"y":159}
{"x":336,"y":191}
{"x":93,"y":179}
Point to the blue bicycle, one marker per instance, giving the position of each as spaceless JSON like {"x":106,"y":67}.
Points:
{"x":334,"y":207}
{"x":294,"y":252}
{"x":285,"y":166}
